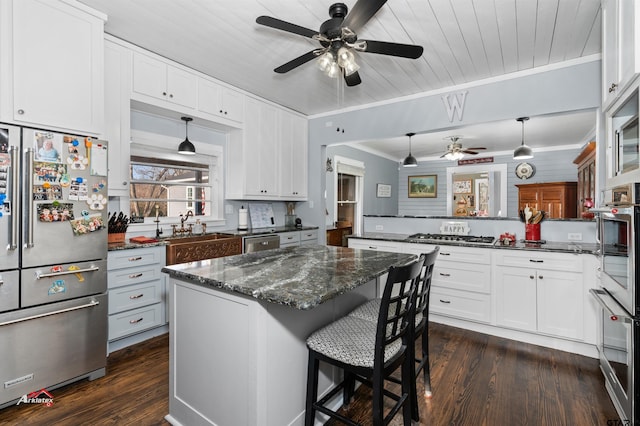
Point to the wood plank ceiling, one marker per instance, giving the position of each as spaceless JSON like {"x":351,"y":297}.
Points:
{"x":463,"y":40}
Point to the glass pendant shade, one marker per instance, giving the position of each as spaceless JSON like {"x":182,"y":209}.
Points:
{"x":523,"y":152}
{"x":333,"y":70}
{"x":186,"y":147}
{"x":350,"y":68}
{"x":345,"y":57}
{"x":454,"y":156}
{"x":325,"y":61}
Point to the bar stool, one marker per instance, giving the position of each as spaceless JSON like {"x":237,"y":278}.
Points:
{"x":369,"y":311}
{"x":368,"y":352}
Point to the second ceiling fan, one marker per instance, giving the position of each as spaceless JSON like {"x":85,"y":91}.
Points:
{"x":338,"y":39}
{"x":456,"y":151}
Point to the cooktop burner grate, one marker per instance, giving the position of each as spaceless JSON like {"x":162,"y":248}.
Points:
{"x":452,"y":237}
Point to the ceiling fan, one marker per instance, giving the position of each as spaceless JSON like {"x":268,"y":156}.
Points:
{"x":338,"y":39}
{"x":456,"y":151}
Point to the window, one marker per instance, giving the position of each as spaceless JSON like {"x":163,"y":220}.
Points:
{"x":175,"y":187}
{"x":348,"y":192}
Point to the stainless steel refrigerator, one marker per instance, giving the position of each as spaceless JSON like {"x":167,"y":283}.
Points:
{"x":53,"y":260}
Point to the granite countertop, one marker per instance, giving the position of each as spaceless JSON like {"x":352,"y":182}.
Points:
{"x":551,"y":246}
{"x":252,"y":232}
{"x":129,"y":245}
{"x":300,"y":277}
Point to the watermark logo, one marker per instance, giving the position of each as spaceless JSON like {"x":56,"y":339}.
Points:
{"x":38,"y":397}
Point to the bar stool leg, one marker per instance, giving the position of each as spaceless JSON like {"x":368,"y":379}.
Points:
{"x":312,"y":389}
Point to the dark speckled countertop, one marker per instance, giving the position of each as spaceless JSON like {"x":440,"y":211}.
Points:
{"x":551,"y":246}
{"x":301,"y":277}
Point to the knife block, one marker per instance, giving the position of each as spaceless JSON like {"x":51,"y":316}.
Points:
{"x":115,"y":238}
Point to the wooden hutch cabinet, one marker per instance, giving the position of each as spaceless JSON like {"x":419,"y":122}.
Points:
{"x":586,"y":163}
{"x":557,"y":199}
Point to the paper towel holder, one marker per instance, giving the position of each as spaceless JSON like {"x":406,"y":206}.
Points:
{"x":243,"y":219}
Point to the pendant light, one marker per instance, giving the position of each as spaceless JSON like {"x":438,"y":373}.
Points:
{"x":523,"y":152}
{"x":410,"y":161}
{"x":186,"y":147}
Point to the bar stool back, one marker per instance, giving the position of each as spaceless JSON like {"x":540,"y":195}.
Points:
{"x":368,"y":352}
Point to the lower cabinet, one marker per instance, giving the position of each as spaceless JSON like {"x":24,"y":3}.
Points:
{"x":137,"y":295}
{"x":547,"y":299}
{"x":298,"y":238}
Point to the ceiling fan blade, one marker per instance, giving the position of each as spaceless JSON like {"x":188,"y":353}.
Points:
{"x":285,"y":26}
{"x":352,"y":79}
{"x":411,"y":51}
{"x":361,"y":12}
{"x":294,"y":63}
{"x":477,"y":148}
{"x":444,"y":155}
{"x":467,"y":151}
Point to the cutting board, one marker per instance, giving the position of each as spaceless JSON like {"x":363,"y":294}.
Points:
{"x":143,"y":240}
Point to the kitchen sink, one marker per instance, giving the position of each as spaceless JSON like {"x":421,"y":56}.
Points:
{"x":200,"y":247}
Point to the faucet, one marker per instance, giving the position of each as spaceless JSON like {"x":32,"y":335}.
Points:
{"x":183,"y":230}
{"x":183,"y":218}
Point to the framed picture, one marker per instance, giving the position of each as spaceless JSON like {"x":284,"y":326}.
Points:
{"x":461,"y":186}
{"x":425,"y":186}
{"x":383,"y":190}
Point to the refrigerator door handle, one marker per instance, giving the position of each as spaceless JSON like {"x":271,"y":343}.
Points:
{"x":15,"y":177}
{"x":28,"y":204}
{"x":47,"y":314}
{"x":69,"y":272}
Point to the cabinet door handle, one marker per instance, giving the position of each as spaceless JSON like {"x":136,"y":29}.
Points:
{"x":134,"y":259}
{"x":540,"y":276}
{"x":445,"y":254}
{"x":138,"y":296}
{"x":536,"y":261}
{"x":135,"y":321}
{"x":532,"y":277}
{"x":445,"y":301}
{"x":373,"y":247}
{"x":613,"y":87}
{"x":135,"y":275}
{"x":445,"y":275}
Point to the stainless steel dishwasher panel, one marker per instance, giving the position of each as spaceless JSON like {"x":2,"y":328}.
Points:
{"x":48,"y":345}
{"x":266,"y":242}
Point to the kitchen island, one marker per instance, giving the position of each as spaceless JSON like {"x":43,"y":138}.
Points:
{"x":238,"y":327}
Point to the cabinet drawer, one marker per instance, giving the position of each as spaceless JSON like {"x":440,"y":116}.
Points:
{"x":459,"y":255}
{"x":130,"y":276}
{"x":468,"y":306}
{"x":288,"y":238}
{"x":126,"y":298}
{"x":137,"y":257}
{"x":131,"y":322}
{"x":377,"y":245}
{"x":309,"y":235}
{"x":539,"y":260}
{"x":462,"y":276}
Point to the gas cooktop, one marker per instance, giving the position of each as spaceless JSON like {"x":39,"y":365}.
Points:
{"x":473,"y":239}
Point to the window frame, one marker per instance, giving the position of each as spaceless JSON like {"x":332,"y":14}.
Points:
{"x":146,"y":144}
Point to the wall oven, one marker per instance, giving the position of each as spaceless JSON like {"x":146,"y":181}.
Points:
{"x":619,"y":299}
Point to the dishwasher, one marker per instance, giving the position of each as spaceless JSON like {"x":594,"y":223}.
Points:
{"x":265,"y":242}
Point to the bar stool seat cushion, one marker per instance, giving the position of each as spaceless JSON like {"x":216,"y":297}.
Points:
{"x":350,"y":340}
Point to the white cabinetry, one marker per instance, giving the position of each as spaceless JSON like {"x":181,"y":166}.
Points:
{"x":540,"y":292}
{"x":137,"y":295}
{"x":221,"y":101}
{"x":161,"y":80}
{"x":267,"y":160}
{"x":293,"y":154}
{"x":461,"y":283}
{"x":309,"y":237}
{"x":288,"y":239}
{"x":52,"y":71}
{"x":377,"y":245}
{"x":620,"y":47}
{"x":117,"y":115}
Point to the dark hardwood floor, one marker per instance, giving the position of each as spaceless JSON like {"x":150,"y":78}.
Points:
{"x":477,"y":380}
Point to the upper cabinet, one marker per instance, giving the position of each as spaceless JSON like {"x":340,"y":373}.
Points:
{"x":221,"y":101}
{"x":52,"y":74}
{"x":620,"y":47}
{"x":586,"y":163}
{"x":557,"y":199}
{"x":293,"y":155}
{"x":268,"y":159}
{"x":161,"y":80}
{"x":117,"y":115}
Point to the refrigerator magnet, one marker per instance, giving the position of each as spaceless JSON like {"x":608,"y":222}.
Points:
{"x":77,"y":162}
{"x":57,"y":287}
{"x":48,"y":146}
{"x":97,"y":202}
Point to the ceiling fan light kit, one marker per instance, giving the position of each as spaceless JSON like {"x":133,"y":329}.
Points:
{"x":338,"y":39}
{"x":410,"y":161}
{"x":523,"y":152}
{"x":186,"y":147}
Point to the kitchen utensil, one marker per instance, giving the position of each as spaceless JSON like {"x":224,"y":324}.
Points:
{"x":527,"y":215}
